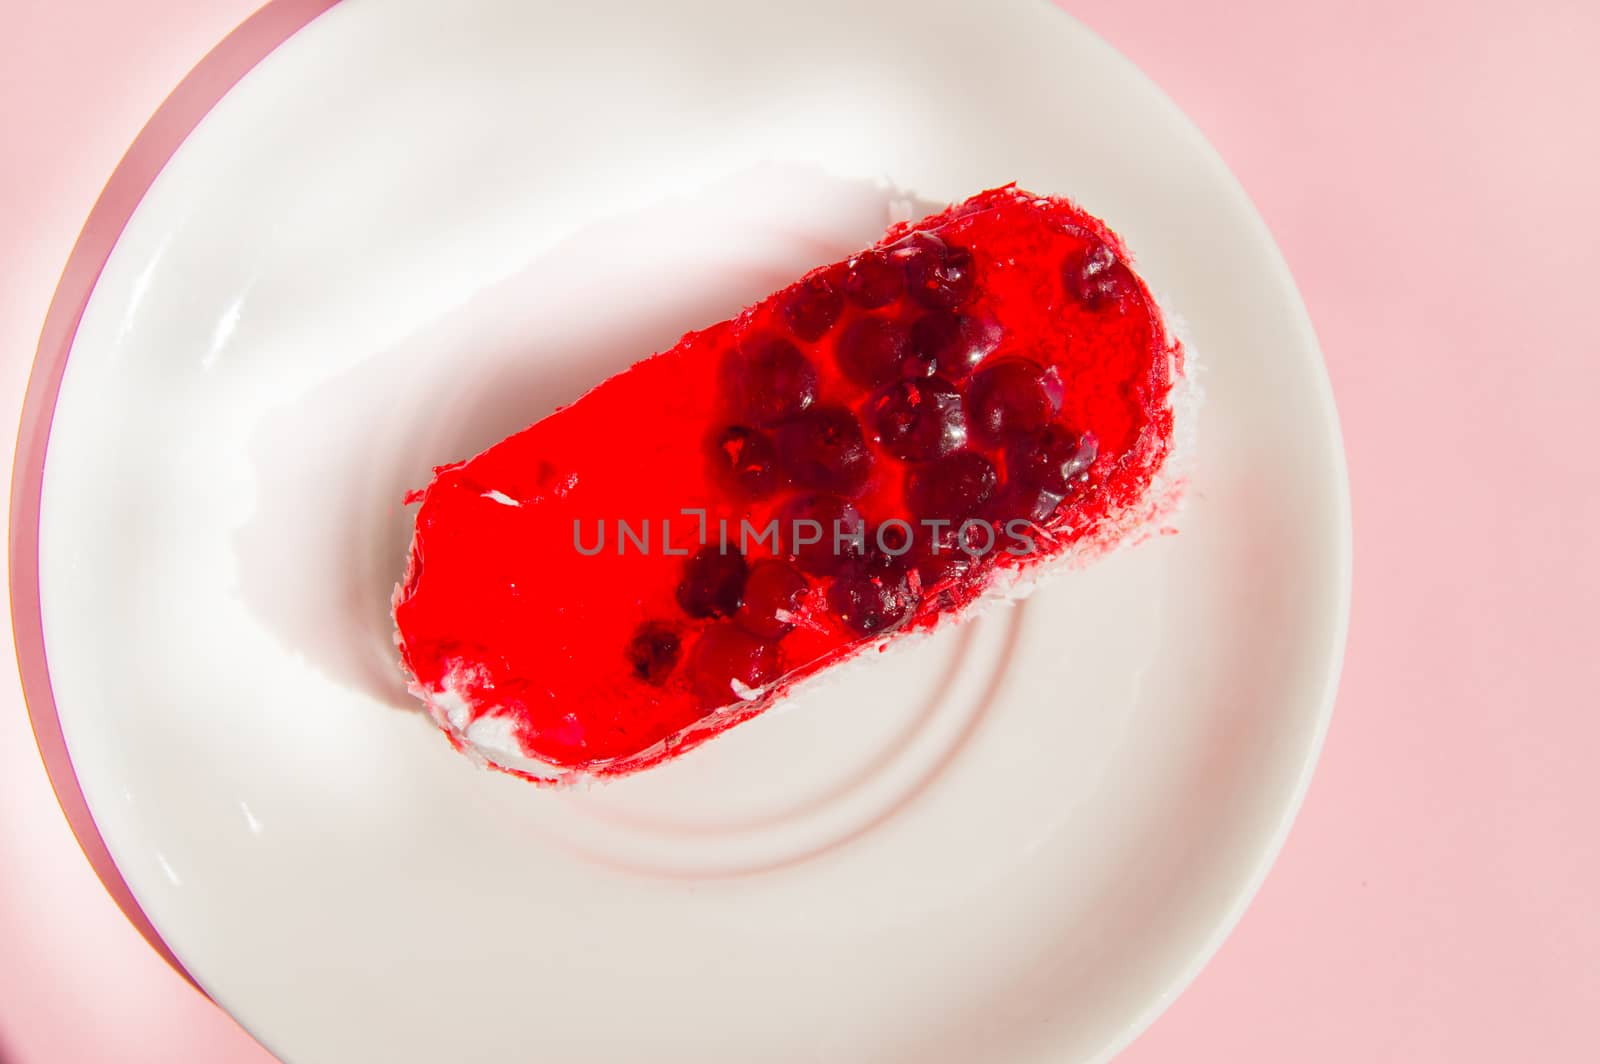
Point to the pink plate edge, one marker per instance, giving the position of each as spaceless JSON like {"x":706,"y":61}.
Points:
{"x":193,"y":98}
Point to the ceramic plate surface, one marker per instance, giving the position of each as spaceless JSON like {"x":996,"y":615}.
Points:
{"x":417,"y":226}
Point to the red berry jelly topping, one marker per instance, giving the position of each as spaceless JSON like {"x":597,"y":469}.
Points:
{"x":862,"y":453}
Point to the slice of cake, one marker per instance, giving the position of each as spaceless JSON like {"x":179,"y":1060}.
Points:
{"x":864,"y":453}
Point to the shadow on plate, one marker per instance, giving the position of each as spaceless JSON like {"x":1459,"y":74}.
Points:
{"x":321,"y":555}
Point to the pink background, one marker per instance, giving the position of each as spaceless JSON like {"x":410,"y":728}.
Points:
{"x":1431,"y":173}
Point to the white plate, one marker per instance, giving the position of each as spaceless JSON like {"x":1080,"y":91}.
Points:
{"x":417,"y":226}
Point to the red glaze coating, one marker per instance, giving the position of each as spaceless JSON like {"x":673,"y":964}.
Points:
{"x":897,"y":380}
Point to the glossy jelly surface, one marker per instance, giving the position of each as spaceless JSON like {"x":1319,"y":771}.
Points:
{"x":862,"y":453}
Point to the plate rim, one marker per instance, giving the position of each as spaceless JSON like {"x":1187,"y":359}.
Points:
{"x":169,"y":126}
